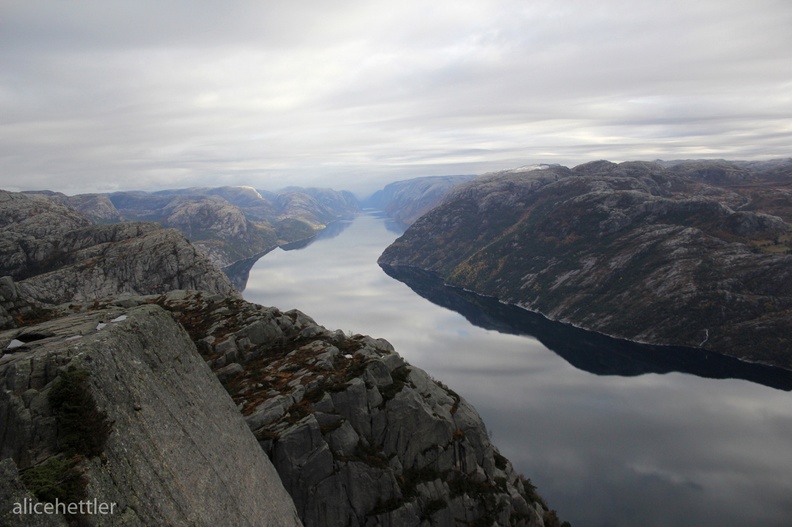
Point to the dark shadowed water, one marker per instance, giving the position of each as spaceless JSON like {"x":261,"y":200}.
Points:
{"x":613,"y":434}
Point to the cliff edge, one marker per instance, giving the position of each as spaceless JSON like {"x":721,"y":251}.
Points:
{"x":145,"y":426}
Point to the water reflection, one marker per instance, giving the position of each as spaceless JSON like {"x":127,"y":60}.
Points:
{"x":619,"y":450}
{"x":239,"y":272}
{"x":588,"y":351}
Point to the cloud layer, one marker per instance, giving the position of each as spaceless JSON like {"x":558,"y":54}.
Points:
{"x":103,"y":95}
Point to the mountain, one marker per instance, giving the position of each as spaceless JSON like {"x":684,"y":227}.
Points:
{"x":57,"y":255}
{"x":406,"y":201}
{"x":688,"y":253}
{"x":227,"y":224}
{"x":194,"y":407}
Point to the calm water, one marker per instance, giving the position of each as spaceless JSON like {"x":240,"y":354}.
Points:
{"x":651,"y":449}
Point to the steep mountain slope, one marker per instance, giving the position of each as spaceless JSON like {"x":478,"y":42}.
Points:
{"x":682,"y":254}
{"x":406,"y":201}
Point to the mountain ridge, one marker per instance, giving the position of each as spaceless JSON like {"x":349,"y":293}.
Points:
{"x":683,"y":255}
{"x":228,"y":224}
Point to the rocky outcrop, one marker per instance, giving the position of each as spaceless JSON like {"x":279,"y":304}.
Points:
{"x":358,"y":436}
{"x":176,"y":451}
{"x":686,"y":254}
{"x":231,"y":224}
{"x":406,"y":201}
{"x":56,"y":255}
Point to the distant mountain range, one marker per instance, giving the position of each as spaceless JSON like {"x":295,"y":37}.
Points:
{"x":690,"y":253}
{"x":406,"y":201}
{"x":227,"y":224}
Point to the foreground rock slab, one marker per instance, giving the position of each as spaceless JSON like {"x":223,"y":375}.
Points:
{"x":178,"y":451}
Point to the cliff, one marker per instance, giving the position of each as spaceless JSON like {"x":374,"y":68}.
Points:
{"x":145,"y":427}
{"x":406,"y":201}
{"x":104,"y":397}
{"x":688,"y":253}
{"x":358,"y":436}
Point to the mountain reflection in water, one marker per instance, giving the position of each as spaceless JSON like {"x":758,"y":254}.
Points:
{"x":618,"y":447}
{"x":586,"y":350}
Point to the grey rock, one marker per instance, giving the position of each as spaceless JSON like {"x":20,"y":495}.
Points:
{"x":344,"y":440}
{"x":179,"y":452}
{"x":56,"y":256}
{"x":372,"y":441}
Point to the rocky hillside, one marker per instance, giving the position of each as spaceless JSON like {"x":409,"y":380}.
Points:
{"x":406,"y":201}
{"x":115,"y":404}
{"x":358,"y":436}
{"x":105,"y":397}
{"x":227,"y":224}
{"x":687,"y":253}
{"x":56,"y":255}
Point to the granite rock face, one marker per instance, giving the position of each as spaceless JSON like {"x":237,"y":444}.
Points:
{"x":178,"y":451}
{"x":56,"y":255}
{"x":688,"y":253}
{"x":358,"y":436}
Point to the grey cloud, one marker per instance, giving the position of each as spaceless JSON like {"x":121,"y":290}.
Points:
{"x":99,"y":94}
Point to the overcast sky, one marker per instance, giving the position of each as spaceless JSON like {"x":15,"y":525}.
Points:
{"x":109,"y":95}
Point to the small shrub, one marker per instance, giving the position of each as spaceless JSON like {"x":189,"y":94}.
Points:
{"x":57,"y":478}
{"x":82,"y":428}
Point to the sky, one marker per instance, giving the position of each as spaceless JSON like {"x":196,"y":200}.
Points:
{"x":105,"y":95}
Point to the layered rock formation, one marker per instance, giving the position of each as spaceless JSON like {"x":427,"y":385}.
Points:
{"x":175,"y":449}
{"x":406,"y":201}
{"x":690,"y":253}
